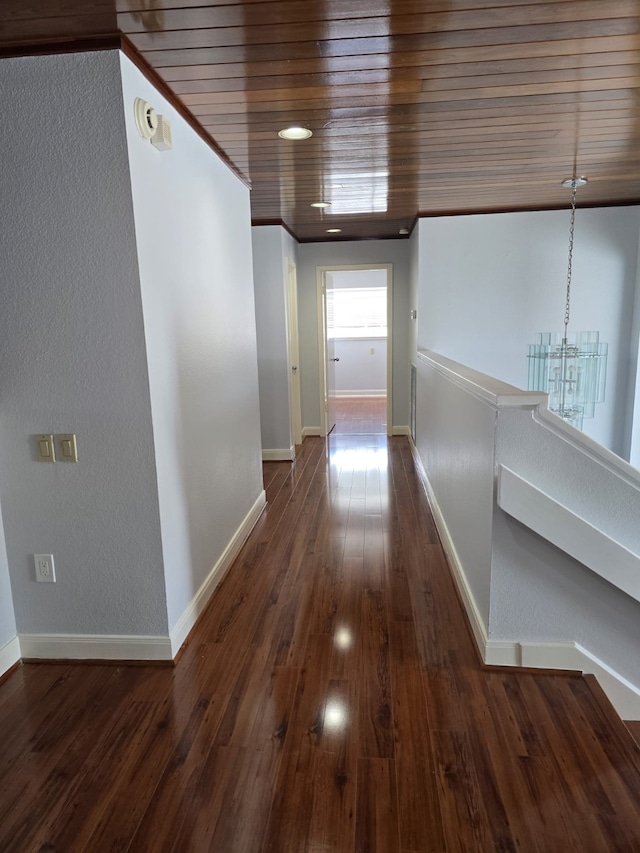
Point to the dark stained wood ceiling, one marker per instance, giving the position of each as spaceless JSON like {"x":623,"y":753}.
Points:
{"x":416,"y":106}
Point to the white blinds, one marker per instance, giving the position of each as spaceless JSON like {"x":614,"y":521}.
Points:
{"x":357,"y":312}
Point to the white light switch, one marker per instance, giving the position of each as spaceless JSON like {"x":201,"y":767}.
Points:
{"x":46,"y":449}
{"x":68,"y":448}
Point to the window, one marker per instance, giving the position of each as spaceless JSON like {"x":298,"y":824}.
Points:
{"x":357,"y":312}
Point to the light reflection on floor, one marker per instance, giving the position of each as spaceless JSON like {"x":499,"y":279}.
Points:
{"x":336,"y":715}
{"x":360,"y":472}
{"x":343,"y":638}
{"x":359,"y":458}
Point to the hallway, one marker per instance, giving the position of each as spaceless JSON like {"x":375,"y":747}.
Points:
{"x":330,"y":699}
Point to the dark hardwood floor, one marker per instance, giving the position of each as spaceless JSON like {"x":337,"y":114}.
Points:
{"x":361,"y":416}
{"x":330,"y":699}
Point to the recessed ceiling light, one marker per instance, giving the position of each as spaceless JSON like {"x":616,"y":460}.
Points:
{"x":334,"y":230}
{"x":295,"y":133}
{"x":403,"y":231}
{"x":320,"y":204}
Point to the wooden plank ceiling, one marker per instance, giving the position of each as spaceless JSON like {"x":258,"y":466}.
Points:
{"x":416,"y":106}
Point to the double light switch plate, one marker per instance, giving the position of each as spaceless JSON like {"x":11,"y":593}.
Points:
{"x":67,"y":448}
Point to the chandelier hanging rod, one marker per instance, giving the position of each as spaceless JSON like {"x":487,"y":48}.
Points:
{"x":572,"y":184}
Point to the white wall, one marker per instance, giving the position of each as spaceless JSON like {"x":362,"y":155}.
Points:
{"x":192,"y":223}
{"x":312,"y":255}
{"x":360,"y":370}
{"x":632,"y":425}
{"x":539,"y":593}
{"x":270,"y":271}
{"x":72,"y":355}
{"x":489,"y":283}
{"x":455,"y":438}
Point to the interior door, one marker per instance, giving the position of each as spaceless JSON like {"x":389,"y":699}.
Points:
{"x":330,"y":280}
{"x":331,"y":384}
{"x":330,"y":359}
{"x":295,"y":407}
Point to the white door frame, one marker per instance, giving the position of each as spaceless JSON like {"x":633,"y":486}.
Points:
{"x":320,"y":283}
{"x":295,"y":407}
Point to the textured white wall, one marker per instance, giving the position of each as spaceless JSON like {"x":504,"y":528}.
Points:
{"x":270,"y":279}
{"x":312,"y":255}
{"x":539,"y":593}
{"x":72,"y":355}
{"x":455,"y":440}
{"x":632,"y":426}
{"x":7,"y":616}
{"x":489,"y":283}
{"x":193,"y":229}
{"x":359,"y":369}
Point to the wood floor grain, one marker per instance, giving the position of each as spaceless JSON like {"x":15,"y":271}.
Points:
{"x":330,"y":699}
{"x":360,"y":415}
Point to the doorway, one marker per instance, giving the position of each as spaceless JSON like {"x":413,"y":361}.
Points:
{"x":295,"y":406}
{"x":355,"y":335}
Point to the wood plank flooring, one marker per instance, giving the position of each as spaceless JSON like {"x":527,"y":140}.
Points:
{"x":361,"y":416}
{"x":330,"y":699}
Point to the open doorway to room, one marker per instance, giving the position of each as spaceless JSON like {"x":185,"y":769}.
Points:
{"x":355,"y":344}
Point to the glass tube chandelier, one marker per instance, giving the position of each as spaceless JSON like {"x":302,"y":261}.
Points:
{"x":570,"y":367}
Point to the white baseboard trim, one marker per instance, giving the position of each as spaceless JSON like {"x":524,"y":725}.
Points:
{"x":311,"y":431}
{"x":378,"y":394}
{"x":623,"y":695}
{"x":279,"y":455}
{"x":94,"y":647}
{"x":401,"y":430}
{"x":131,"y":648}
{"x":502,"y":653}
{"x":10,"y":654}
{"x":200,"y":600}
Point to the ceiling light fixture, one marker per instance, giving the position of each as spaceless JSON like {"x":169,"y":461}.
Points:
{"x":295,"y":132}
{"x":403,"y":231}
{"x":321,"y":204}
{"x":334,"y":230}
{"x":571,"y":368}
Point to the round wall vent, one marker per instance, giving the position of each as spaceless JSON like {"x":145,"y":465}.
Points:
{"x":146,"y":118}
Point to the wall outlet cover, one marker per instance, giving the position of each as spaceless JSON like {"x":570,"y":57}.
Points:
{"x":45,"y":569}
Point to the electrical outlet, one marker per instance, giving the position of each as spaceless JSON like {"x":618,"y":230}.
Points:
{"x":45,"y":570}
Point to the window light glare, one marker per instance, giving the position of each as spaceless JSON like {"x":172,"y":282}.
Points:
{"x":295,"y":132}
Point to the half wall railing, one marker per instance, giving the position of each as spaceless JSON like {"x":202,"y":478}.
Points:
{"x":541,"y":526}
